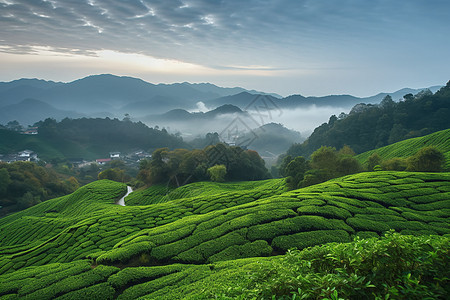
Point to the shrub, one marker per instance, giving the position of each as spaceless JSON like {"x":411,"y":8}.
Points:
{"x":394,"y":164}
{"x":306,"y":239}
{"x":102,"y":291}
{"x":255,"y":249}
{"x":134,"y":275}
{"x":360,"y":224}
{"x":217,"y":173}
{"x":427,"y":159}
{"x":395,"y":266}
{"x":327,"y":211}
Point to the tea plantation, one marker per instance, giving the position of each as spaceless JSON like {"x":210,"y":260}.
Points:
{"x":225,"y":241}
{"x":440,"y":140}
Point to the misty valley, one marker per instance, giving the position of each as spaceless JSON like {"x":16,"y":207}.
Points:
{"x":112,"y":187}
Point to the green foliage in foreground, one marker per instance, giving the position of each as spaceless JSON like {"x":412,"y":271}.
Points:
{"x":190,"y":245}
{"x":391,"y":267}
{"x":440,"y":140}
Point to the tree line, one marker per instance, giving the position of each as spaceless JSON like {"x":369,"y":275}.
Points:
{"x":219,"y":162}
{"x":327,"y":163}
{"x":24,"y":184}
{"x":369,"y":127}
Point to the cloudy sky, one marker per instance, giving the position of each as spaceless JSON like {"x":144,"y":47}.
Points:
{"x":309,"y":47}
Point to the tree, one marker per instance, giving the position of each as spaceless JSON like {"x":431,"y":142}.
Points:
{"x":427,"y":159}
{"x":346,"y":163}
{"x":394,"y":164}
{"x":4,"y":181}
{"x":284,"y":163}
{"x":296,"y":170}
{"x":397,"y":133}
{"x":324,"y":158}
{"x":28,"y":200}
{"x":14,"y":126}
{"x":113,"y":174}
{"x":373,"y":160}
{"x":217,"y":173}
{"x":387,"y":102}
{"x":408,"y":97}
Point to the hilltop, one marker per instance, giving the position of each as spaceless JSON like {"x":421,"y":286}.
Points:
{"x":440,"y":140}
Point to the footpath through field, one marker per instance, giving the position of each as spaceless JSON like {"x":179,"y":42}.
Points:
{"x":121,"y":201}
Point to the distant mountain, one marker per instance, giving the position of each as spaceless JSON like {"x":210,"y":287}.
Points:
{"x":224,"y":109}
{"x":181,"y":115}
{"x":18,"y":90}
{"x":242,"y":100}
{"x":249,"y":101}
{"x":398,"y":95}
{"x":35,"y":111}
{"x":271,"y":139}
{"x":208,"y":87}
{"x":114,"y":96}
{"x":35,"y":83}
{"x":331,"y":100}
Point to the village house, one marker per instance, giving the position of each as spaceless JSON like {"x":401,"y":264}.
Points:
{"x":31,"y":130}
{"x":114,"y":155}
{"x":102,"y":161}
{"x":25,"y":155}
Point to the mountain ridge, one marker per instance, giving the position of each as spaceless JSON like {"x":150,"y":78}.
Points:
{"x":112,"y":95}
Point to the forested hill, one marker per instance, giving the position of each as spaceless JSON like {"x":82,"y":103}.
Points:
{"x":89,"y":138}
{"x":372,"y":126}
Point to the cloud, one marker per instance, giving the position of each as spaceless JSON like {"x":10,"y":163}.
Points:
{"x":255,"y":35}
{"x":189,"y":29}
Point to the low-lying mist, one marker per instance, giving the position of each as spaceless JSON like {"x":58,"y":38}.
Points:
{"x":303,"y":120}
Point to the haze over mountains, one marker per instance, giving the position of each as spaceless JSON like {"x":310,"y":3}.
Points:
{"x":32,"y":100}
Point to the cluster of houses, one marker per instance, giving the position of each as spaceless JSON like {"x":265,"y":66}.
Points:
{"x":25,"y":155}
{"x":30,"y":130}
{"x":135,"y":156}
{"x":29,"y":155}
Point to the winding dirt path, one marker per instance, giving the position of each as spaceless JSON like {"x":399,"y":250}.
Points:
{"x":122,"y":200}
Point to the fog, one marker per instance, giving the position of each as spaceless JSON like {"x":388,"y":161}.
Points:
{"x":303,"y":120}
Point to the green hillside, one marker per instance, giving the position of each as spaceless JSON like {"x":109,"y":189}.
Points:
{"x":83,"y":246}
{"x":163,"y":193}
{"x":12,"y":142}
{"x":87,"y":138}
{"x":440,"y":140}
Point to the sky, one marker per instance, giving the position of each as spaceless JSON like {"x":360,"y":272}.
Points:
{"x":308,"y":47}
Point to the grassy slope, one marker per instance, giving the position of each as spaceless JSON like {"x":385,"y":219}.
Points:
{"x":163,"y":193}
{"x":12,"y":142}
{"x":86,"y":221}
{"x":206,"y":227}
{"x":406,"y":148}
{"x":313,"y":269}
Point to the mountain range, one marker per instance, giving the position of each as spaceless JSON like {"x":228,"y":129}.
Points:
{"x":31,"y":100}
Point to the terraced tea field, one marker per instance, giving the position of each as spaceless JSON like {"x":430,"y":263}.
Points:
{"x":84,"y":246}
{"x":406,"y":148}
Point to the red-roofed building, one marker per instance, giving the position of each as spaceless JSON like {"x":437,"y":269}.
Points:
{"x":102,"y":161}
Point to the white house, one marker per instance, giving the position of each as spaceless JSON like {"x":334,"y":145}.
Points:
{"x":114,"y":155}
{"x":26,"y":153}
